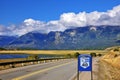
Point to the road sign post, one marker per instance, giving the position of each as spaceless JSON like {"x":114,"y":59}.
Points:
{"x":84,"y":63}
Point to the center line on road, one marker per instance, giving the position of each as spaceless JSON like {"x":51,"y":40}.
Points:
{"x":40,"y":71}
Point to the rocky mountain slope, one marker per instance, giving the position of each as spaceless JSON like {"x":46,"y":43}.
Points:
{"x":5,"y":40}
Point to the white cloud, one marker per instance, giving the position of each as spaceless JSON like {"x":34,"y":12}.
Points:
{"x":5,"y":30}
{"x":72,"y":19}
{"x":55,"y":26}
{"x":27,"y":26}
{"x":67,"y":20}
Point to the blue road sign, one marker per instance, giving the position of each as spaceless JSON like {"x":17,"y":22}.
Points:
{"x":84,"y":62}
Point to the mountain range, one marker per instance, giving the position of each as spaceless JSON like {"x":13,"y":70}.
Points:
{"x":5,"y":40}
{"x":89,"y":37}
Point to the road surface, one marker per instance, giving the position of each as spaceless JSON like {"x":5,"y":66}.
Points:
{"x":58,"y":70}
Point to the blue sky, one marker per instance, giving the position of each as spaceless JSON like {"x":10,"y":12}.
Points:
{"x":16,"y":11}
{"x":18,"y":17}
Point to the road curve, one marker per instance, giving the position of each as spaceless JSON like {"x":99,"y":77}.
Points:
{"x":58,"y":70}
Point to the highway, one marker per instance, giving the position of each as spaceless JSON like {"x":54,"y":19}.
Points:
{"x":57,"y":70}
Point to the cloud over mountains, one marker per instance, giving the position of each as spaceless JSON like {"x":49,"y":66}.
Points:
{"x":66,"y":21}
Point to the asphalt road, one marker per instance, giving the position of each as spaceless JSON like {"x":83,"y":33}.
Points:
{"x":58,"y":70}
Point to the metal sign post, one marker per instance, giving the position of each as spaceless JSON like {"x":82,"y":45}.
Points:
{"x":84,"y":63}
{"x":78,"y":73}
{"x":91,"y":70}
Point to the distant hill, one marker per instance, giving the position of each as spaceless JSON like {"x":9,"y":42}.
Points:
{"x":5,"y":40}
{"x":89,"y":37}
{"x":114,"y":48}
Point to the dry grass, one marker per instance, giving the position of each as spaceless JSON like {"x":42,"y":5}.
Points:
{"x":109,"y":66}
{"x":11,"y":60}
{"x":51,"y":51}
{"x":56,"y":52}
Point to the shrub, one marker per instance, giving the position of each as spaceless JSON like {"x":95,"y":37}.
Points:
{"x":76,"y":54}
{"x":93,"y":54}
